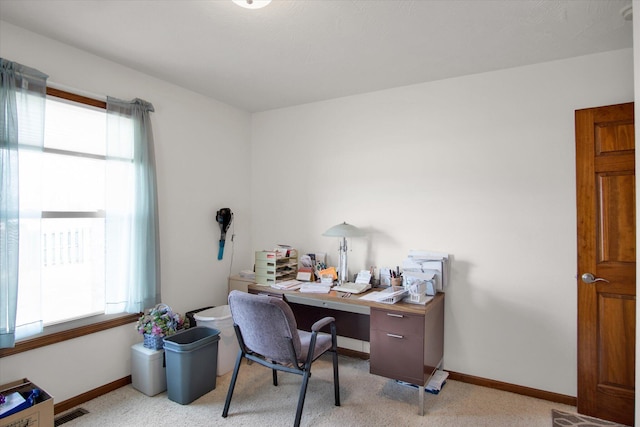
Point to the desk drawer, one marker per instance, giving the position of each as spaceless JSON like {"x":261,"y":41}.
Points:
{"x":397,"y":322}
{"x":397,"y":345}
{"x":396,"y":356}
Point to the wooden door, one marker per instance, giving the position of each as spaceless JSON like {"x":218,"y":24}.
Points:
{"x":605,"y":174}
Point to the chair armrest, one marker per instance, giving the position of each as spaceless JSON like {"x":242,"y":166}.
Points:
{"x":322,"y":323}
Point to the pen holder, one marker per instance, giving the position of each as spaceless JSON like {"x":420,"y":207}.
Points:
{"x":396,"y":281}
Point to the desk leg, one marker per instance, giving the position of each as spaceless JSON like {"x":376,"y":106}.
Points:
{"x":421,"y":399}
{"x":422,"y":390}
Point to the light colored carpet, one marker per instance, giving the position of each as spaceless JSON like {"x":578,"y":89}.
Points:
{"x":564,"y":419}
{"x":367,"y":399}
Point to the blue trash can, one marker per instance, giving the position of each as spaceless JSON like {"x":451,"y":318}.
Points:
{"x":192,"y":360}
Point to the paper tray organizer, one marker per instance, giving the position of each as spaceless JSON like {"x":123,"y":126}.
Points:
{"x":396,"y":294}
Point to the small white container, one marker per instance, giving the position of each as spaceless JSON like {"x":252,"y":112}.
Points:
{"x":148,"y":374}
{"x":220,"y":318}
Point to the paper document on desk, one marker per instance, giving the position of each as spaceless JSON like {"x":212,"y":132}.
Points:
{"x":364,"y":276}
{"x":429,"y":262}
{"x":315,"y":288}
{"x":373,"y":296}
{"x":388,"y":293}
{"x":287,"y":285}
{"x":353,"y":288}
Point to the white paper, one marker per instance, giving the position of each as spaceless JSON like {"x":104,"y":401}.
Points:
{"x":315,"y":288}
{"x":288,"y":285}
{"x":372,"y":296}
{"x":306,"y":261}
{"x":364,"y":276}
{"x":425,"y":261}
{"x":385,"y":276}
{"x":436,"y":381}
{"x":378,"y":296}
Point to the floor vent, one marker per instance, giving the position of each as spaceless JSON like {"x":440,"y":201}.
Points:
{"x":76,"y":413}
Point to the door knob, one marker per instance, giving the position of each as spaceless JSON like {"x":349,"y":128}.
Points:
{"x":590,"y":278}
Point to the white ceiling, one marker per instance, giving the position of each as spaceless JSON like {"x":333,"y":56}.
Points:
{"x":299,"y":51}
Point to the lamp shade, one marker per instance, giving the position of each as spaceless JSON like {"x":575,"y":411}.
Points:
{"x":343,"y":230}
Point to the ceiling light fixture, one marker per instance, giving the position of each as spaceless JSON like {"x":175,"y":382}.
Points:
{"x":252,"y":4}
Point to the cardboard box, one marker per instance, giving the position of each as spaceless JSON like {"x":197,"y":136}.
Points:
{"x":38,"y":415}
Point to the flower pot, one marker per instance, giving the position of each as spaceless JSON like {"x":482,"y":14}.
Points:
{"x":158,"y":323}
{"x":153,"y":342}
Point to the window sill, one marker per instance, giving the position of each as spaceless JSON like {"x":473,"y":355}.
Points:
{"x":53,"y":334}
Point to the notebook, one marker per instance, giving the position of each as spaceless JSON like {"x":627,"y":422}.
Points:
{"x":354,"y":288}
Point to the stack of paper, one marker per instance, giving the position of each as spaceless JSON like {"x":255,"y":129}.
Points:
{"x":287,"y":285}
{"x":437,"y":381}
{"x":248,"y":274}
{"x":315,"y":288}
{"x":285,"y":251}
{"x":431,"y":267}
{"x":364,"y":276}
{"x":391,"y":294}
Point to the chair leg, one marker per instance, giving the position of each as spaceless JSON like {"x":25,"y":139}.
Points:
{"x":275,"y":377}
{"x":232,"y":384}
{"x":336,"y":380}
{"x":303,"y":393}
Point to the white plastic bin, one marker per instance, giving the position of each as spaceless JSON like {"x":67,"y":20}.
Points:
{"x":147,"y":370}
{"x":220,"y":318}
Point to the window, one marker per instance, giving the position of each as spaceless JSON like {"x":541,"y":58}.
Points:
{"x":78,"y":218}
{"x":62,"y":255}
{"x":82,"y":187}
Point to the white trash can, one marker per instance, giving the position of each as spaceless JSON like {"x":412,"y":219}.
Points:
{"x":148,"y":373}
{"x":220,"y":318}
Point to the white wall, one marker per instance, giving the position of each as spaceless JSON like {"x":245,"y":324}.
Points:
{"x":481,"y":167}
{"x":202,"y":147}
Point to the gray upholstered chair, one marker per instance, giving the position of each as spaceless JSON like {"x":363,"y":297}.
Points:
{"x":267,"y":333}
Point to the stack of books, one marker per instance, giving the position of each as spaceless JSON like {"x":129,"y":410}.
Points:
{"x":436,"y":382}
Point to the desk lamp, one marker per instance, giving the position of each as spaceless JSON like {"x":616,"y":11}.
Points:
{"x":343,"y":230}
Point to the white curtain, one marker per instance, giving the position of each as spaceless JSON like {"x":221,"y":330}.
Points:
{"x":22,"y":105}
{"x":133,"y":253}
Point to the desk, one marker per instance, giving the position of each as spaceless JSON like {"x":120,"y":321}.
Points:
{"x":407,"y":340}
